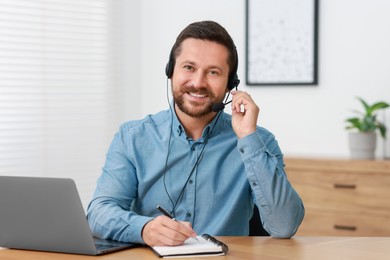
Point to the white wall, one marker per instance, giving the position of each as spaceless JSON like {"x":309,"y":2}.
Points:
{"x":354,"y":60}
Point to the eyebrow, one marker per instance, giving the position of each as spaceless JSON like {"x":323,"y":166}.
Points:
{"x":193,"y":63}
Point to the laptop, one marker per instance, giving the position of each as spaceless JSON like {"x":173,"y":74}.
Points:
{"x":46,"y":214}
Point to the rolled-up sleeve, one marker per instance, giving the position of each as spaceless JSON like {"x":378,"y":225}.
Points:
{"x":280,"y":207}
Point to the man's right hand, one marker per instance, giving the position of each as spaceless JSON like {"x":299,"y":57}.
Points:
{"x":163,"y":231}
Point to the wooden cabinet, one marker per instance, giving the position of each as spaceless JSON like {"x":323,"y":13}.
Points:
{"x":342,"y":197}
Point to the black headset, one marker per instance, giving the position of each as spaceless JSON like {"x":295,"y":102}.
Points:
{"x":233,"y":80}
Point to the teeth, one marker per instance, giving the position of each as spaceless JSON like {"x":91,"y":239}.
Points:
{"x":197,"y":95}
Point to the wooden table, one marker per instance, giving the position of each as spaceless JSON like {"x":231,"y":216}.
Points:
{"x":249,"y":248}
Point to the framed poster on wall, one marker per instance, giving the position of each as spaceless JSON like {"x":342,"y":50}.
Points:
{"x":281,"y":42}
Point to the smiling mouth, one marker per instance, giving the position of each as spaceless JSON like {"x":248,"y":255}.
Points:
{"x":197,"y":95}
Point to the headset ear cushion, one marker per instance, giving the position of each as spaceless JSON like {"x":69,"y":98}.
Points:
{"x":233,"y":82}
{"x":169,"y":69}
{"x":236,"y":82}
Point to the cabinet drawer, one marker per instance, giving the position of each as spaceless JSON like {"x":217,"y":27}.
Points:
{"x":329,"y":223}
{"x":358,"y":192}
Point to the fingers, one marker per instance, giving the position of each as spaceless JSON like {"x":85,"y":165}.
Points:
{"x":165,"y":231}
{"x":244,"y":114}
{"x":242,"y":102}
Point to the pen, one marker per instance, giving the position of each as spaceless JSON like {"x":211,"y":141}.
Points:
{"x":166,"y":213}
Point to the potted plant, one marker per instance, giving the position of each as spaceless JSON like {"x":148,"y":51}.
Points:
{"x":362,"y":142}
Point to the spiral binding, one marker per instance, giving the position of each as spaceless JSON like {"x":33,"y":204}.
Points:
{"x":215,"y":241}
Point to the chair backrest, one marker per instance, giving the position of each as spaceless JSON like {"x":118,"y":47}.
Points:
{"x":255,"y":226}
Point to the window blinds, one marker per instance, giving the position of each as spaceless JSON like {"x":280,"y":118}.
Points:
{"x":60,"y":88}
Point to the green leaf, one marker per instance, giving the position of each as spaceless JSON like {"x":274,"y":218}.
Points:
{"x":364,"y":103}
{"x":382,"y":129}
{"x":355,"y":122}
{"x":377,"y":106}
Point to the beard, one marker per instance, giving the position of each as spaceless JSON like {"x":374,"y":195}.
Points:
{"x":194,"y":109}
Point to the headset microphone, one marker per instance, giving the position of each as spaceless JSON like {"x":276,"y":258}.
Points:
{"x":219,"y":106}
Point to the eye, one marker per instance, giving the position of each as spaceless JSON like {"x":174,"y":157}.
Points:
{"x":214,"y":72}
{"x":188,"y":67}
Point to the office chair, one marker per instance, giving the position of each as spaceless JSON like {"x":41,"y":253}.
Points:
{"x":255,"y":226}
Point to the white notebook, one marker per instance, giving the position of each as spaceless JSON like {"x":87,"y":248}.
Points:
{"x":204,"y":245}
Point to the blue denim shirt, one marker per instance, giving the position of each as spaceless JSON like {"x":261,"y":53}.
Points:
{"x":218,"y":199}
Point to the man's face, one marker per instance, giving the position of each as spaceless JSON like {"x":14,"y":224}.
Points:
{"x":200,"y":76}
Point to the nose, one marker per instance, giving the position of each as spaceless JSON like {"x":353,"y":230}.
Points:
{"x":199,"y":79}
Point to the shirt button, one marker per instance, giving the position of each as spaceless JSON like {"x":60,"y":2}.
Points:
{"x":188,"y":214}
{"x":242,"y":150}
{"x":192,"y":148}
{"x":190,"y":182}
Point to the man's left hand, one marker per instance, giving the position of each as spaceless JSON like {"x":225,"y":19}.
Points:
{"x":244,"y":114}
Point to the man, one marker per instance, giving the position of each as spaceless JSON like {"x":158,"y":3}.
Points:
{"x":205,"y":167}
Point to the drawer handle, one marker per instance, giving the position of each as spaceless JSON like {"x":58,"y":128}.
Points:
{"x":349,"y":228}
{"x":345,"y":186}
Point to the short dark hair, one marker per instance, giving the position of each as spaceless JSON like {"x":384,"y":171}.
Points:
{"x":205,"y":30}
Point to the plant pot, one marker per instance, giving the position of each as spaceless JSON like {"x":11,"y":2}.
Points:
{"x":362,"y":146}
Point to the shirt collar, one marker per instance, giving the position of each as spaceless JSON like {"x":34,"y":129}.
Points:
{"x":211,"y":129}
